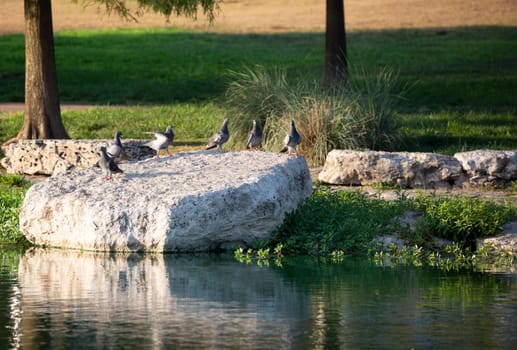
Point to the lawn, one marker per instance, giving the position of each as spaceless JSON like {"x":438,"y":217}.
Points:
{"x":461,"y":82}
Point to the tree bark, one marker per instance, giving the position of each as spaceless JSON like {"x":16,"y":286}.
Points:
{"x":42,"y":119}
{"x":336,"y":68}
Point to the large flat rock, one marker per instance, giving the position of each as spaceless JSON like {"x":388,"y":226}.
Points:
{"x":195,"y":201}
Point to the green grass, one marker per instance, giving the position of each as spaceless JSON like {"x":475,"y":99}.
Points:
{"x":454,"y":131}
{"x":193,"y":123}
{"x":463,"y":81}
{"x":472,"y":68}
{"x":152,"y":66}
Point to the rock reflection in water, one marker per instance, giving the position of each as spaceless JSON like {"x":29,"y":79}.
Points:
{"x":71,"y":299}
{"x":101,"y":300}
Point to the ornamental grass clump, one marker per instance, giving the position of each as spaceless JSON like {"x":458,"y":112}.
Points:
{"x":360,"y":115}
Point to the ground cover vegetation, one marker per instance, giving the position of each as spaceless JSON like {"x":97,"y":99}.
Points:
{"x":323,"y":224}
{"x":12,"y":191}
{"x":418,"y":90}
{"x":449,"y":90}
{"x":334,"y":224}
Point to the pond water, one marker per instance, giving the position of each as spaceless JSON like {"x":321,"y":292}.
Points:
{"x":57,"y":299}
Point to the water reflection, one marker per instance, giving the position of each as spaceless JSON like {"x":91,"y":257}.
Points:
{"x":404,"y":308}
{"x":123,"y":300}
{"x":73,"y":299}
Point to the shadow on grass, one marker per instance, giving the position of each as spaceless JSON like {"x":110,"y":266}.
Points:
{"x":467,"y":68}
{"x":446,"y":144}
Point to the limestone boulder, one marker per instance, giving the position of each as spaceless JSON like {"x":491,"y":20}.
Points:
{"x":405,"y":169}
{"x":50,"y":157}
{"x":489,"y":167}
{"x":193,"y":201}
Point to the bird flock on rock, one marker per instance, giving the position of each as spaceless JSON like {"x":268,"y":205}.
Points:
{"x":109,"y":156}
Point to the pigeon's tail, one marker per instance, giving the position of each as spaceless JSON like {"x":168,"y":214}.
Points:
{"x":210,"y":146}
{"x":284,"y":149}
{"x":151,"y":144}
{"x":114,"y":168}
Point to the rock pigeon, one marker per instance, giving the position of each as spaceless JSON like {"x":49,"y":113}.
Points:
{"x":162,"y":141}
{"x":115,"y":149}
{"x":255,"y":137}
{"x":292,"y":139}
{"x":219,"y":137}
{"x":107,"y":164}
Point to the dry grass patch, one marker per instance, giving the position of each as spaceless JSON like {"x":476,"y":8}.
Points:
{"x":271,"y":16}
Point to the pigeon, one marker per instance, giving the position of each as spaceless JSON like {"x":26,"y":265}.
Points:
{"x":162,"y":141}
{"x":107,"y":164}
{"x":219,"y":137}
{"x":292,"y":139}
{"x":115,"y":149}
{"x":255,"y":137}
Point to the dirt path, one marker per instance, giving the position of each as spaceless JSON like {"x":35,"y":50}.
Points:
{"x":10,"y":107}
{"x":14,"y":107}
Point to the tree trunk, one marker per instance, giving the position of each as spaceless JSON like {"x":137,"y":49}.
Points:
{"x":42,"y":118}
{"x":336,"y":69}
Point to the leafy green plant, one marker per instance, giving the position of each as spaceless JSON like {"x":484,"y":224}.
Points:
{"x":263,"y":253}
{"x":337,"y":221}
{"x":332,"y":223}
{"x":337,"y":256}
{"x":261,"y":256}
{"x":278,"y":250}
{"x":12,"y":191}
{"x":452,"y":257}
{"x":461,"y":219}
